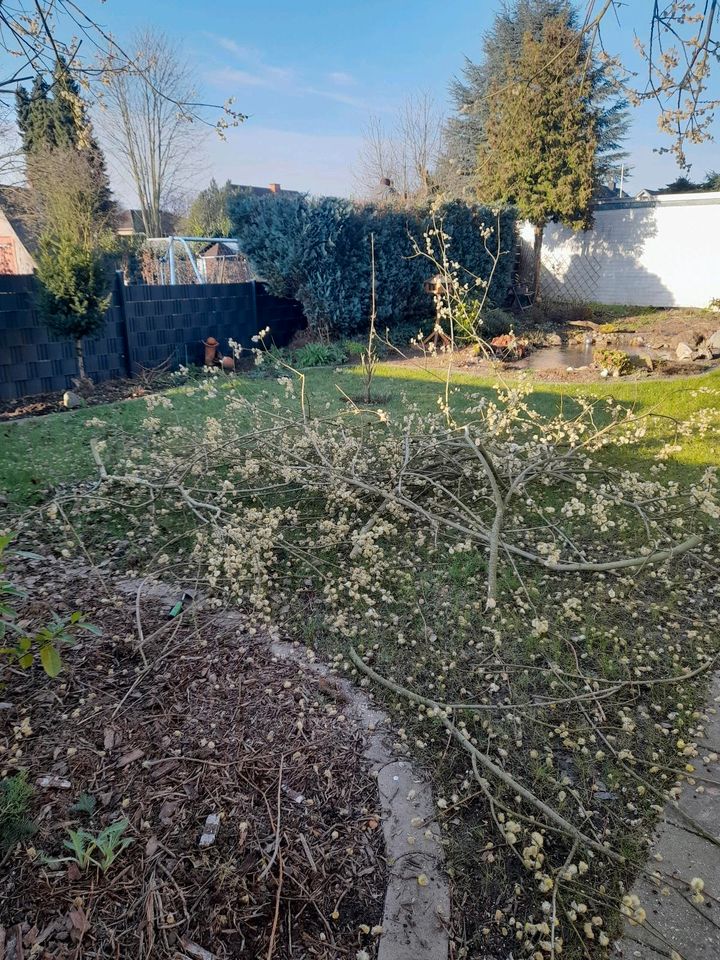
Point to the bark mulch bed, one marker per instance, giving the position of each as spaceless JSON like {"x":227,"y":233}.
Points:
{"x":109,"y":391}
{"x":202,"y":721}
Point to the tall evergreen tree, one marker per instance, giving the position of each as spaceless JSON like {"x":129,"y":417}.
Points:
{"x":54,"y":116}
{"x":465,"y":131}
{"x":35,"y":117}
{"x":75,"y":245}
{"x":541,"y":134}
{"x":71,"y":127}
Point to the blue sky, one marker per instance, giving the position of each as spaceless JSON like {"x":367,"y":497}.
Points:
{"x":310,"y":74}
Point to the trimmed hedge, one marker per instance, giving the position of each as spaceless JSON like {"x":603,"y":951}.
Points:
{"x":317,"y":251}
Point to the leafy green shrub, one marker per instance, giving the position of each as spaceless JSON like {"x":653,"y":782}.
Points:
{"x":319,"y":355}
{"x":353,"y":349}
{"x":15,"y":796}
{"x":31,"y":643}
{"x":609,"y":359}
{"x":317,"y":251}
{"x":496,"y":322}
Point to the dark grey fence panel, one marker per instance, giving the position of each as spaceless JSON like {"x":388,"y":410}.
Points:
{"x":32,"y":359}
{"x":152,"y":324}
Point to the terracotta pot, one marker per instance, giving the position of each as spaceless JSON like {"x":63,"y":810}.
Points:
{"x":211,"y":351}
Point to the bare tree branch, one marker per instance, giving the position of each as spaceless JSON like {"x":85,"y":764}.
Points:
{"x":145,"y":130}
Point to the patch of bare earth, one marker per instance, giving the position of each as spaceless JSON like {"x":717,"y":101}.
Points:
{"x":201,"y":721}
{"x":108,"y":391}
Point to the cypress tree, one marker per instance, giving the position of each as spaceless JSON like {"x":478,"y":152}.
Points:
{"x":55,"y":117}
{"x":541,"y":134}
{"x":465,"y":131}
{"x":35,"y":117}
{"x":71,"y":126}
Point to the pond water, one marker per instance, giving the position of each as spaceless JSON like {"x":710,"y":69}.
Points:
{"x":575,"y":355}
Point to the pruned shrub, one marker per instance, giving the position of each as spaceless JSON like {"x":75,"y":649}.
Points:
{"x":613,"y":360}
{"x":354,"y":349}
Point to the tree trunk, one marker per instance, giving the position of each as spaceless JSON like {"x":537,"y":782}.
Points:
{"x":537,"y":259}
{"x":80,"y":357}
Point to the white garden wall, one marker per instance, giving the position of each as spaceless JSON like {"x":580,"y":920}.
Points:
{"x":661,"y":252}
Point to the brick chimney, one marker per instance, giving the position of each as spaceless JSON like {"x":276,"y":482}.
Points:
{"x":275,"y":188}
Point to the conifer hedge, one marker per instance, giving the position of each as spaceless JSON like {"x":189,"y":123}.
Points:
{"x":317,"y":251}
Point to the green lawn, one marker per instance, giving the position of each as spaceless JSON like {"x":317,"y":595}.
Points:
{"x":417,"y":612}
{"x":40,"y":454}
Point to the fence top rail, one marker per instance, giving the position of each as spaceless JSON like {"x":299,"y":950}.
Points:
{"x":225,"y":240}
{"x":12,"y":282}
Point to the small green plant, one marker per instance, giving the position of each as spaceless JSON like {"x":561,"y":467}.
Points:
{"x":714,"y":304}
{"x":353,"y":349}
{"x":81,"y":844}
{"x":319,"y":355}
{"x":613,"y":360}
{"x":467,"y":319}
{"x":85,"y":803}
{"x":109,"y":844}
{"x":31,"y":644}
{"x":15,"y":796}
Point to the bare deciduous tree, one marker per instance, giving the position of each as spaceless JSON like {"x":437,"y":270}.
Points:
{"x":398,"y":163}
{"x":10,"y":152}
{"x":67,"y":199}
{"x":678,"y":53}
{"x":146,"y":131}
{"x":37,"y":33}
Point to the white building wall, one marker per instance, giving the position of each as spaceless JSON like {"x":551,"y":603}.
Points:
{"x":663,"y":252}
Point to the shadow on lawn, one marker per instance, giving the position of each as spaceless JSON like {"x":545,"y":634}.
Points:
{"x":665,"y":403}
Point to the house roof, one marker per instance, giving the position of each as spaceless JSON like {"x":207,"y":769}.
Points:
{"x":652,"y":198}
{"x":131,"y":221}
{"x":219,"y":250}
{"x":274,"y":189}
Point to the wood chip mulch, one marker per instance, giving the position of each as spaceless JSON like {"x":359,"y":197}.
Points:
{"x":206,"y":733}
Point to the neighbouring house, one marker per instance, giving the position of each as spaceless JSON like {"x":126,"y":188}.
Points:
{"x":129,"y":223}
{"x":221,"y":262}
{"x":610,"y":192}
{"x":17,"y":246}
{"x":273,"y":188}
